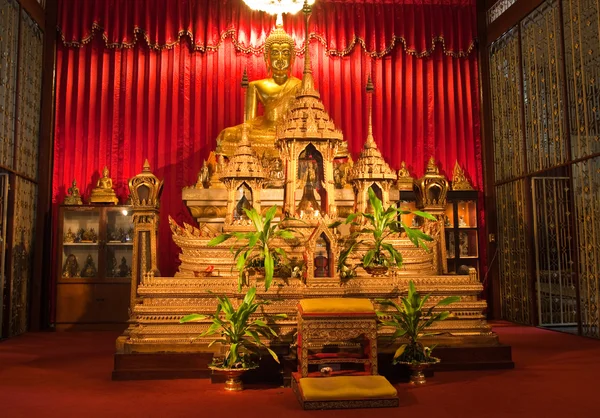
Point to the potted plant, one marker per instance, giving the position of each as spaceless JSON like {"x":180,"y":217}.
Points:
{"x":239,"y":335}
{"x":373,"y":229}
{"x":410,"y":321}
{"x":257,"y":250}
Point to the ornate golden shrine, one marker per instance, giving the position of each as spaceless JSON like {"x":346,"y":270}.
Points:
{"x":309,"y":147}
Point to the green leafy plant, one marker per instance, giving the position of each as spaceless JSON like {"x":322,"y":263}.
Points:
{"x":410,"y":321}
{"x":373,"y":229}
{"x":257,"y":249}
{"x":237,"y":331}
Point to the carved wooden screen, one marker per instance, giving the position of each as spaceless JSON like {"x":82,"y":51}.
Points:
{"x":9,"y":37}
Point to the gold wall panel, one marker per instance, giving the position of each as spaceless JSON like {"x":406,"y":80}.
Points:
{"x":543,"y":87}
{"x":556,"y":282}
{"x":582,"y":58}
{"x":22,"y":258}
{"x":506,"y":97}
{"x":9,"y":31}
{"x":586,"y":180}
{"x":513,"y":252}
{"x":30,"y":91}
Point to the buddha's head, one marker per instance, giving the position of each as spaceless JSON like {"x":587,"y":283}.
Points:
{"x":280,"y":52}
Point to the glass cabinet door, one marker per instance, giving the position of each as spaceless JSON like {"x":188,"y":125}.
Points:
{"x":80,"y":244}
{"x":119,"y":242}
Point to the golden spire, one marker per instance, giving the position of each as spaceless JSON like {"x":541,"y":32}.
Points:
{"x":146,"y":168}
{"x":308,"y":83}
{"x":244,"y":142}
{"x":370,"y":140}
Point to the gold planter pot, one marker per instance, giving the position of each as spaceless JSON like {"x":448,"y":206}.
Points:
{"x":417,"y":377}
{"x":234,"y":377}
{"x":377,"y":270}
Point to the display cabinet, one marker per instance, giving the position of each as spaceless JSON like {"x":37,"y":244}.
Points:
{"x":94,"y":259}
{"x":460,"y":225}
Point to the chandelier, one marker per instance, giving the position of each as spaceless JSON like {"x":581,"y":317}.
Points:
{"x":277,"y":7}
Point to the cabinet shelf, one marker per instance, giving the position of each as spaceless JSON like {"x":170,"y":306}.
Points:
{"x":104,"y":297}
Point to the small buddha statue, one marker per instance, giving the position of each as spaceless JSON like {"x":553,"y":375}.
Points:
{"x":104,"y":193}
{"x":203,"y":177}
{"x":71,"y":267}
{"x":69,"y":236}
{"x":89,"y":270}
{"x":124,"y":270}
{"x":308,"y":203}
{"x":276,"y":93}
{"x":73,"y":197}
{"x":112,"y":267}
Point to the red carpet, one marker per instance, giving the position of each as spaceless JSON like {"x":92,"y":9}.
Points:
{"x":68,"y":375}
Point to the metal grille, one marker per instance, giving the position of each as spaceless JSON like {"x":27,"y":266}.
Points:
{"x":4,"y":186}
{"x":30,"y":92}
{"x":543,"y":87}
{"x":498,"y":8}
{"x":9,"y":31}
{"x":556,"y":291}
{"x":506,"y":106}
{"x":586,"y":181}
{"x":513,"y":252}
{"x":582,"y":54}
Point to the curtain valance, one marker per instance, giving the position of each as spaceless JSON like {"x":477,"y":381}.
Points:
{"x":377,"y":26}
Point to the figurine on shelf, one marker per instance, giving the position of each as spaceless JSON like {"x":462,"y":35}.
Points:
{"x":124,"y":270}
{"x":89,"y":235}
{"x":128,"y":237}
{"x":461,"y":221}
{"x":463,"y":244}
{"x":71,"y":267}
{"x":415,"y":222}
{"x":73,"y":197}
{"x":447,"y":223}
{"x":104,"y":192}
{"x":203,"y":177}
{"x":112,"y":266}
{"x":69,"y":237}
{"x":89,"y":270}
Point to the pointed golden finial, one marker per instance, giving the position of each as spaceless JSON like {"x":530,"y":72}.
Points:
{"x":245,"y":141}
{"x":146,"y":167}
{"x":459,"y":179}
{"x":308,"y":83}
{"x":370,"y":140}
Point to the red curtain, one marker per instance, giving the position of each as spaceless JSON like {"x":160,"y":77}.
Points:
{"x":119,"y":106}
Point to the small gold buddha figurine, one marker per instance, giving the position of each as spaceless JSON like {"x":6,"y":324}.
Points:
{"x":89,"y":235}
{"x":309,"y":206}
{"x":71,"y":267}
{"x":69,"y":236}
{"x":73,"y":197}
{"x":104,"y":192}
{"x":203,"y":177}
{"x":405,"y":181}
{"x":89,"y":270}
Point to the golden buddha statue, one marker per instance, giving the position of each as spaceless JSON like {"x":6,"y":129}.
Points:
{"x":73,"y":197}
{"x":275,"y":93}
{"x":104,"y":192}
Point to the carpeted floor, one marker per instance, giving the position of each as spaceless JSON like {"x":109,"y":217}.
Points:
{"x":68,"y":375}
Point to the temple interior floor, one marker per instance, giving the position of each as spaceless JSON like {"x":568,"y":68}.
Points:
{"x":68,"y":374}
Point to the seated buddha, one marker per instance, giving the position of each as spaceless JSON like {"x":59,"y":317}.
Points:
{"x":103,"y":192}
{"x":275,"y":93}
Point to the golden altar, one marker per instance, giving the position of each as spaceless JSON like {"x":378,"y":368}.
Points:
{"x":310,"y":176}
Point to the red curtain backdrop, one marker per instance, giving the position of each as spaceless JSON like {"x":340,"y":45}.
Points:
{"x":117,"y":106}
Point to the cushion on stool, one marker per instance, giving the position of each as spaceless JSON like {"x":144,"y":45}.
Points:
{"x":346,"y":388}
{"x":322,"y":306}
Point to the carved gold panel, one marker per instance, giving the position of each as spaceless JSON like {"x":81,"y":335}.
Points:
{"x":513,"y":252}
{"x":581,"y":20}
{"x":543,"y":87}
{"x":22,"y":256}
{"x":556,"y":281}
{"x":506,"y":98}
{"x":9,"y":35}
{"x":586,"y":181}
{"x":30,"y":91}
